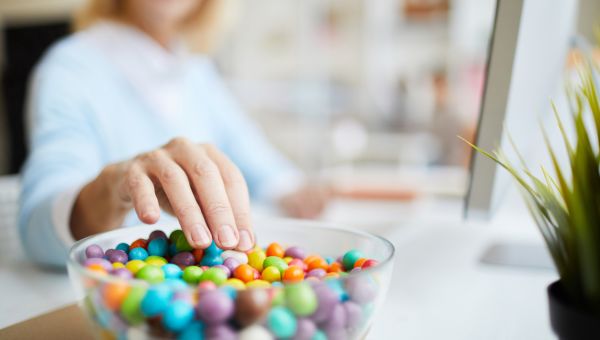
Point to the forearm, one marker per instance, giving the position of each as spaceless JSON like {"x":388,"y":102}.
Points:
{"x":98,"y":206}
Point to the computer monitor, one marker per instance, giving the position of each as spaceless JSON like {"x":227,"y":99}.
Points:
{"x":526,"y":59}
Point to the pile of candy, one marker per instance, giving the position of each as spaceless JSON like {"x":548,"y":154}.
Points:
{"x":306,"y":299}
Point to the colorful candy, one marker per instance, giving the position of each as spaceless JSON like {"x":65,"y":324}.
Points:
{"x":276,"y":292}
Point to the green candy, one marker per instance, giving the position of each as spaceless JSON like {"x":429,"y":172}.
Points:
{"x":301,"y":299}
{"x":350,"y":258}
{"x":151,"y":273}
{"x":192,"y":274}
{"x":216,"y":275}
{"x":277,"y":262}
{"x":282,"y":322}
{"x":130,"y":308}
{"x":175,"y":235}
{"x":182,"y":244}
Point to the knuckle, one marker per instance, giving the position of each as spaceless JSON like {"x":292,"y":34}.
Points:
{"x":217,"y":208}
{"x":178,"y":142}
{"x":204,"y":168}
{"x":233,"y":177}
{"x":209,"y":148}
{"x":151,"y":156}
{"x":185,"y":211}
{"x":242,"y":216}
{"x":169,"y":173}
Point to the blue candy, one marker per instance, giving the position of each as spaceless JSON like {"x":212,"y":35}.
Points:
{"x":213,"y":250}
{"x":282,"y":322}
{"x":123,"y":246}
{"x":172,"y":271}
{"x":329,"y":259}
{"x":158,"y":247}
{"x":138,"y":254}
{"x":178,"y":315}
{"x":211,"y":260}
{"x":172,"y":249}
{"x":336,"y":286}
{"x":319,"y":335}
{"x":230,"y":291}
{"x":195,"y":331}
{"x":156,"y":300}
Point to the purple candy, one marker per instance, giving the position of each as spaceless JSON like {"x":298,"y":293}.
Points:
{"x":184,"y":259}
{"x":336,"y":320}
{"x":220,"y":332}
{"x":319,"y":273}
{"x":108,"y":252}
{"x":94,"y":251}
{"x":122,"y":273}
{"x":295,"y":252}
{"x":355,"y":270}
{"x":336,"y":334}
{"x":360,"y":288}
{"x":215,"y":307}
{"x":118,"y":256}
{"x":225,"y":269}
{"x":183,"y":295}
{"x":157,"y":234}
{"x":353,"y":314}
{"x":98,"y":260}
{"x":328,"y":299}
{"x":305,"y":330}
{"x":231,"y":263}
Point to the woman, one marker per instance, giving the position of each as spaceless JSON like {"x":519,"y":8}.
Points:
{"x":125,"y":118}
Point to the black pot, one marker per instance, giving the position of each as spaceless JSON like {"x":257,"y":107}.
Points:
{"x":569,"y":321}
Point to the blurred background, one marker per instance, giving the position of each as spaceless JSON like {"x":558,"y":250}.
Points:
{"x":369,"y":95}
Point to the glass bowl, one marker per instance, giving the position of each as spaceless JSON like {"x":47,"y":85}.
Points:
{"x":257,"y":311}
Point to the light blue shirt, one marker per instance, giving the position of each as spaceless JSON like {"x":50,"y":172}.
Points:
{"x":86,"y":113}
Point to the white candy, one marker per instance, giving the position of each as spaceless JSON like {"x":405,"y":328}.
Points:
{"x":238,"y":255}
{"x":255,"y":332}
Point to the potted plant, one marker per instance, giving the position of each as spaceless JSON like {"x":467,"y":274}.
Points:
{"x":566,"y":208}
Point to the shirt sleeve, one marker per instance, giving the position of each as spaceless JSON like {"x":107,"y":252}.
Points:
{"x":64,"y":155}
{"x":269,"y":174}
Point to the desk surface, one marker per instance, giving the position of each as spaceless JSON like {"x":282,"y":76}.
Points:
{"x":439,"y":289}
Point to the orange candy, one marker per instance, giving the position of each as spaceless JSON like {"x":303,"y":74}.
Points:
{"x":139,"y":243}
{"x":274,"y":249}
{"x":97,"y":268}
{"x":335,"y":267}
{"x":293,"y":274}
{"x":317,"y":262}
{"x":114,"y":294}
{"x":244,"y":272}
{"x":359,"y":262}
{"x":198,"y":253}
{"x":333,"y":275}
{"x":309,"y":258}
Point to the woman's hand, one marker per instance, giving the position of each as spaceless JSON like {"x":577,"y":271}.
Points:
{"x":196,"y":183}
{"x":306,"y":202}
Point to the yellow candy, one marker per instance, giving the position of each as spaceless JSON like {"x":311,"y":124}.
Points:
{"x":156,"y":260}
{"x":235,"y":283}
{"x":256,"y":259}
{"x":288,"y":259}
{"x":258,"y":284}
{"x":271,"y":274}
{"x":117,"y":265}
{"x":135,"y":265}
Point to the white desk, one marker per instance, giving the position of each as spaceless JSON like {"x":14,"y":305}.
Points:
{"x":439,"y":288}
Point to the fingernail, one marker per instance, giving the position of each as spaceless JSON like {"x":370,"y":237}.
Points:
{"x":245,"y":240}
{"x":200,"y":235}
{"x":227,"y":236}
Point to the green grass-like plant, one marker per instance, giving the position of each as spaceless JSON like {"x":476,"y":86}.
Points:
{"x":566,"y":204}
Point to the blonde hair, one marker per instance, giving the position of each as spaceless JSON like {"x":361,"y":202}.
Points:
{"x":203,"y":29}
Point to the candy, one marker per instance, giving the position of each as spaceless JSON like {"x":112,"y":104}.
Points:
{"x":157,"y":234}
{"x":194,"y":331}
{"x":255,"y":332}
{"x":305,"y":329}
{"x":117,"y":265}
{"x":183,"y":259}
{"x":271,"y":274}
{"x":258,"y":284}
{"x":235,"y":283}
{"x":151,"y":274}
{"x":139,"y":243}
{"x":281,"y":322}
{"x":317,"y":262}
{"x":213,"y":249}
{"x":192,"y":274}
{"x":122,"y":273}
{"x":123,"y":246}
{"x":224,"y":269}
{"x":327,"y":299}
{"x":319,"y":273}
{"x":369,"y":264}
{"x":130,"y":308}
{"x":301,"y":299}
{"x":215,"y":307}
{"x":251,"y":306}
{"x":293,"y":274}
{"x":211,"y":260}
{"x":237,"y":255}
{"x":172,"y":271}
{"x":138,"y":253}
{"x":256,"y":259}
{"x":156,"y":260}
{"x":94,"y":251}
{"x":158,"y":247}
{"x":274,"y":249}
{"x":231,"y":263}
{"x":198,"y":254}
{"x":297,"y":263}
{"x":178,"y":315}
{"x":156,"y":300}
{"x":175,"y":235}
{"x":335,"y":267}
{"x":205,"y":286}
{"x":353,"y":314}
{"x":359,"y":262}
{"x":220,"y":332}
{"x":277,"y":262}
{"x":214,"y":274}
{"x":114,"y":293}
{"x":183,"y":245}
{"x":295,"y":252}
{"x":350,"y":258}
{"x":103,"y":263}
{"x":244,"y":272}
